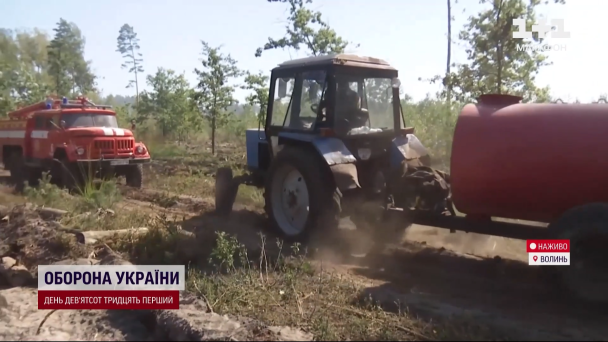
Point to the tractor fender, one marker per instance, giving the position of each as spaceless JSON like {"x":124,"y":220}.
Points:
{"x":406,"y":148}
{"x":340,"y":161}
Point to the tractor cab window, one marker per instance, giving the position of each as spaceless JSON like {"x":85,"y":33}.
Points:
{"x":89,"y":120}
{"x":363,"y":105}
{"x":307,"y":105}
{"x":282,"y":98}
{"x":312,"y":103}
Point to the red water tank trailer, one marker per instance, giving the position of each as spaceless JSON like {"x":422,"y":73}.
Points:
{"x":528,"y":161}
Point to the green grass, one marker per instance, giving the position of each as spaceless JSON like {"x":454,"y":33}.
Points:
{"x":194,"y":173}
{"x":90,"y":196}
{"x":163,"y":151}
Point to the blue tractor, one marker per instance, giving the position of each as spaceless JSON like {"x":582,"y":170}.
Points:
{"x":334,"y":145}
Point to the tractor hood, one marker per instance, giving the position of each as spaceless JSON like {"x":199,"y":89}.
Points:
{"x":99,"y":132}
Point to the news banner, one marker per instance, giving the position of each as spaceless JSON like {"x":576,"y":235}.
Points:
{"x":548,"y":252}
{"x":107,"y":287}
{"x":152,"y":287}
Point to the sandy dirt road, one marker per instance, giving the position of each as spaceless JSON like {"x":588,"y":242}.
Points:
{"x":429,"y":272}
{"x":434,"y":273}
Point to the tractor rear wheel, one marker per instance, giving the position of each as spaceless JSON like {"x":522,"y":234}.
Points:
{"x":300,"y":196}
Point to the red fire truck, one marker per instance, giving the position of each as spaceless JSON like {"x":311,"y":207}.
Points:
{"x":71,"y":139}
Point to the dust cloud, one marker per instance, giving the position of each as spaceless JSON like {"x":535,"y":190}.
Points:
{"x":467,"y":243}
{"x":358,"y":242}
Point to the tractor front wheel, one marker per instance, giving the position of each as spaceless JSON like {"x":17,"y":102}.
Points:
{"x":226,"y":189}
{"x":300,"y":195}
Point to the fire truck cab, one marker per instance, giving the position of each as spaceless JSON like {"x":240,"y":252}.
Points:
{"x":73,"y":140}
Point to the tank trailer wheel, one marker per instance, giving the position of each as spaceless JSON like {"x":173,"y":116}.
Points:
{"x":587,"y":229}
{"x":226,"y":189}
{"x":299,"y":195}
{"x":134,"y":176}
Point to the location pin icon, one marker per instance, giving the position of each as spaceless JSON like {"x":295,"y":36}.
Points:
{"x":535,"y":258}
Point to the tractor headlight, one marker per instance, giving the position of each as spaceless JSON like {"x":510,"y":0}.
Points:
{"x":139,"y":149}
{"x":365,"y":153}
{"x":80,"y":151}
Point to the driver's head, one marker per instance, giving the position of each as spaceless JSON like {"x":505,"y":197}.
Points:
{"x":347,"y":96}
{"x":343,"y":86}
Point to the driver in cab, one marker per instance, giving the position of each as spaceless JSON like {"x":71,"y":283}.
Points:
{"x":348,"y":107}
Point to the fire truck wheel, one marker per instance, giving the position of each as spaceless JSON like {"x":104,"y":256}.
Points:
{"x":33,"y":176}
{"x":69,"y":175}
{"x":134,"y":176}
{"x":17,"y":171}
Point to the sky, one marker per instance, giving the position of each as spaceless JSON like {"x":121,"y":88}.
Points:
{"x":409,"y":34}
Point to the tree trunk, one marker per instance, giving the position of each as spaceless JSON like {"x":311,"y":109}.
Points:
{"x":449,"y":59}
{"x":135,"y":72}
{"x":136,"y":90}
{"x":58,"y":81}
{"x":214,"y":112}
{"x":213,"y":134}
{"x":499,"y":53}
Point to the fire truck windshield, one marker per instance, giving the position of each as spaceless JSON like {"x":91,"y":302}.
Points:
{"x":89,"y":120}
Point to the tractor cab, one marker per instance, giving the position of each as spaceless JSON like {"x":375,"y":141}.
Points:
{"x":346,"y":106}
{"x":337,"y":95}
